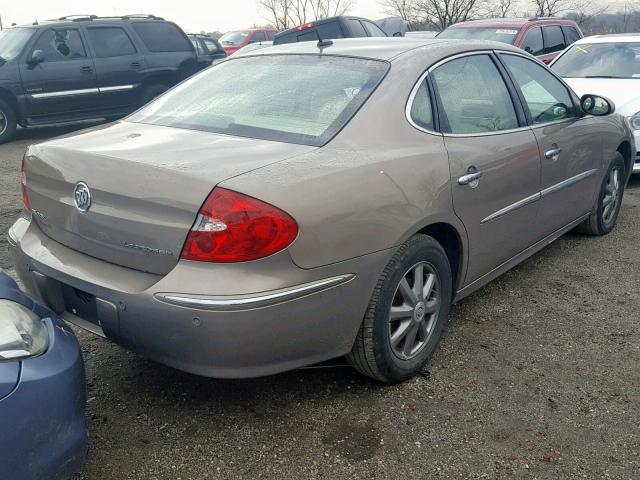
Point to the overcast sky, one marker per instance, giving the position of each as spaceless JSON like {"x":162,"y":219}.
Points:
{"x":191,"y":15}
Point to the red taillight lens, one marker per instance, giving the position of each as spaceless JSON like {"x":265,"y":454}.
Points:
{"x":23,"y":184}
{"x":305,"y":26}
{"x":232,"y":227}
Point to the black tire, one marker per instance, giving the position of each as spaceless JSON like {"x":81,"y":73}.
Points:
{"x":372,"y":353}
{"x":8,"y":122}
{"x":601,"y":222}
{"x":152,"y":91}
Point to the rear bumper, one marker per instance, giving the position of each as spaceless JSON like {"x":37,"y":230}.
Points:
{"x":42,"y":420}
{"x":219,"y":320}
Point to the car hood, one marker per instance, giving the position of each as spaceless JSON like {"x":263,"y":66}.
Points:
{"x":625,"y":93}
{"x":147,"y":184}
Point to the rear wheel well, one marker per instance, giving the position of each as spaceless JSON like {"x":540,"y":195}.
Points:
{"x":448,"y":237}
{"x":10,"y":98}
{"x":625,"y":150}
{"x":168,"y":79}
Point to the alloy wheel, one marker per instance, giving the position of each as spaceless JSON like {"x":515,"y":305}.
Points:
{"x":611,"y":195}
{"x":3,"y":122}
{"x":414,"y":310}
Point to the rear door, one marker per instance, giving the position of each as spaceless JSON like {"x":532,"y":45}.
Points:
{"x":570,"y":146}
{"x":118,"y":63}
{"x":494,"y":160}
{"x":65,"y":82}
{"x":554,"y":42}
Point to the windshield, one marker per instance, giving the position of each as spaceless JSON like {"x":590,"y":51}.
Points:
{"x":606,"y":60}
{"x":12,"y":41}
{"x":504,"y":35}
{"x":234,"y":38}
{"x":302,"y":99}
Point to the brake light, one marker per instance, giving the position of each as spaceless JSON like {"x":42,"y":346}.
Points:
{"x":305,"y":26}
{"x":23,"y":184}
{"x":232,"y":227}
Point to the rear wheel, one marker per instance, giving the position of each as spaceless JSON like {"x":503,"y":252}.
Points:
{"x":407,"y":313}
{"x":605,"y":212}
{"x":8,"y":122}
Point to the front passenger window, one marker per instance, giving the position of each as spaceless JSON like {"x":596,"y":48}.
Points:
{"x":60,"y":44}
{"x":546,"y":97}
{"x":474,"y":96}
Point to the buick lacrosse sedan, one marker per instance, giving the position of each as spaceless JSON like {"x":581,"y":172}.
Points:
{"x":309,"y":201}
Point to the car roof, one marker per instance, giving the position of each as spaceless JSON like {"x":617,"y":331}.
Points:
{"x":379,"y":48}
{"x":511,"y":22}
{"x":613,"y":38}
{"x":75,"y":19}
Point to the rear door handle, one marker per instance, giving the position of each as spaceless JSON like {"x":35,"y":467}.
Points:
{"x":135,"y":65}
{"x":553,"y":154}
{"x":470,"y":179}
{"x":86,"y":69}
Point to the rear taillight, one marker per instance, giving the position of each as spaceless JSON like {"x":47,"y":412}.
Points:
{"x":23,"y":184}
{"x":306,"y":26}
{"x":232,"y":227}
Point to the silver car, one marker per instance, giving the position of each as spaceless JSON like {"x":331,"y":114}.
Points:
{"x":312,"y":200}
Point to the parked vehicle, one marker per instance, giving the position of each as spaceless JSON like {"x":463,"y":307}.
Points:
{"x":235,"y":40}
{"x":253,"y":46}
{"x":42,"y":391}
{"x":610,"y":66}
{"x":543,"y":37}
{"x":421,"y":34}
{"x":79,"y":68}
{"x":286,"y":224}
{"x":330,"y":28}
{"x":208,"y":50}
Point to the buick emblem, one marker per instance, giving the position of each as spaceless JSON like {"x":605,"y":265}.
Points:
{"x":82,"y":196}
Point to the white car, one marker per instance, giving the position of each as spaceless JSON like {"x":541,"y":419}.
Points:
{"x":608,"y":65}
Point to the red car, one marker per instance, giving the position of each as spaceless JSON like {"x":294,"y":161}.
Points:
{"x":235,"y":40}
{"x":543,"y":37}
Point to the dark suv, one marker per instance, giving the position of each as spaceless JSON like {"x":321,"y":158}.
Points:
{"x":85,"y":67}
{"x":543,"y":37}
{"x":330,"y":28}
{"x":208,"y":49}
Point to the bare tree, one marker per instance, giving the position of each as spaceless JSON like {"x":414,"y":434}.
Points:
{"x":405,"y":9}
{"x":278,"y":12}
{"x":288,"y":13}
{"x":443,"y":13}
{"x":498,"y":8}
{"x":330,"y":8}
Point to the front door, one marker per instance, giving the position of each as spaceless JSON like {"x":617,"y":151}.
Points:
{"x":570,"y":146}
{"x":64,"y":82}
{"x":494,"y":160}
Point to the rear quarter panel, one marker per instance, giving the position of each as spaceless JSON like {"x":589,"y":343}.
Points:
{"x":377,"y":183}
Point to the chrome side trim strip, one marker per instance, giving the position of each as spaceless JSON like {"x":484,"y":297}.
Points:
{"x":255,"y":301}
{"x":65,"y":93}
{"x":566,"y":183}
{"x":83,"y":91}
{"x":514,"y":206}
{"x":116,"y":88}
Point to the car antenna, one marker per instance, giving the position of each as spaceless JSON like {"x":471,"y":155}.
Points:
{"x":322,"y":43}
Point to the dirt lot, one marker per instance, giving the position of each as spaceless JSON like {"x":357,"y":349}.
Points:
{"x":538,"y":378}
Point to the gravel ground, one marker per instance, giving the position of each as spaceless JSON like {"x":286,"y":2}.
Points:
{"x":537,"y":378}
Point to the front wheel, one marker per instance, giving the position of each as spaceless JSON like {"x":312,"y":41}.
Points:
{"x":406,"y":314}
{"x":8,"y":123}
{"x":604,"y":215}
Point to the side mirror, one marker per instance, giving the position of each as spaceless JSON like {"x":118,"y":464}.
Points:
{"x":596,"y":105}
{"x":36,"y":57}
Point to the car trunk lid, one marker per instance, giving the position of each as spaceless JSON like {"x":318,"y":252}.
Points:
{"x":146,"y":185}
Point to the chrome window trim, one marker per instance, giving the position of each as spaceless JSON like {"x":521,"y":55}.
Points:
{"x":252,"y":301}
{"x":409,"y":105}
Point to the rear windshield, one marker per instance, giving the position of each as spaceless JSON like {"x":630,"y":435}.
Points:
{"x":600,"y":60}
{"x":303,"y":99}
{"x":231,"y":39}
{"x":504,"y":35}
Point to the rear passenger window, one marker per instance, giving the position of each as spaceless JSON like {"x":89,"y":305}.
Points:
{"x":61,"y":44}
{"x":270,"y":35}
{"x":553,"y":39}
{"x":110,"y":42}
{"x":357,"y":30}
{"x":212,"y":47}
{"x":474,"y":96}
{"x":328,"y":30}
{"x":162,"y":37}
{"x":421,"y":111}
{"x":532,"y":42}
{"x":373,"y":30}
{"x":571,"y":35}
